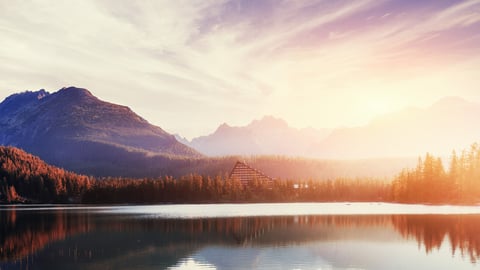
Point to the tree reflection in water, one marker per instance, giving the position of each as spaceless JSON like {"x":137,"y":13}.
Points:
{"x":462,"y":231}
{"x":72,"y":237}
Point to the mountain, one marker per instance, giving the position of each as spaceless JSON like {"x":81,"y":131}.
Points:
{"x":448,"y":124}
{"x":181,"y":139}
{"x":267,"y":136}
{"x":73,"y":129}
{"x":451,"y":123}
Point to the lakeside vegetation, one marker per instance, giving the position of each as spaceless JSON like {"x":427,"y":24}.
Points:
{"x":205,"y":189}
{"x":25,"y":178}
{"x":430,"y":182}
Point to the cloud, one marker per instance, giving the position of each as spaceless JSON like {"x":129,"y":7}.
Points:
{"x":235,"y":60}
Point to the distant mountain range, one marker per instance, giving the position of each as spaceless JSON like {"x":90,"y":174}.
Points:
{"x":73,"y":129}
{"x":267,"y":136}
{"x":450,"y":123}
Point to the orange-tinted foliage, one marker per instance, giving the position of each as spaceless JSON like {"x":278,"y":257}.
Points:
{"x":430,"y":183}
{"x":26,"y":177}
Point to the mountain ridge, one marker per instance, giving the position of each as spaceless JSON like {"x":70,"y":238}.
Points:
{"x":446,"y":125}
{"x":266,"y":136}
{"x":72,"y":123}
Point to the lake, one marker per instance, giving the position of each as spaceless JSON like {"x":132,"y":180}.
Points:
{"x":241,"y":236}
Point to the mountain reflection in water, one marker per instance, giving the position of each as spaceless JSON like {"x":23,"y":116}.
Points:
{"x":80,"y":239}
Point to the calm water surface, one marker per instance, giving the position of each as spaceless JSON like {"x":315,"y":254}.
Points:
{"x":247,"y":236}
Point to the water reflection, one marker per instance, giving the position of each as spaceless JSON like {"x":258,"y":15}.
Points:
{"x":65,"y":239}
{"x":462,"y":231}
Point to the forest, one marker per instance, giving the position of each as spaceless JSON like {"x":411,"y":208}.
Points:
{"x":25,"y":178}
{"x":430,"y":182}
{"x":204,"y":189}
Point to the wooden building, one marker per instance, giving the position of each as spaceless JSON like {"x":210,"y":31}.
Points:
{"x":247,"y":174}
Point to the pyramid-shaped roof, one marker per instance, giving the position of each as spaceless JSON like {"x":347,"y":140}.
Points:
{"x":246,"y":174}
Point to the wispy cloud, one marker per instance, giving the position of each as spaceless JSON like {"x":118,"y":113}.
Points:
{"x":190,"y":65}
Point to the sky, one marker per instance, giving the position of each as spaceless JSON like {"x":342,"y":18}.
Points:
{"x":188,"y":66}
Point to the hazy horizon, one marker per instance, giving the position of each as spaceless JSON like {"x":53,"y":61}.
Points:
{"x":262,"y":117}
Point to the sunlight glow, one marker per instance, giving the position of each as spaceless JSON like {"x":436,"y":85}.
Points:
{"x":378,"y":107}
{"x":191,"y":264}
{"x":286,"y":209}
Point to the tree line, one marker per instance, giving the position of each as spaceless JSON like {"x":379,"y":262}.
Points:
{"x":430,"y":182}
{"x":26,"y":178}
{"x":195,"y":188}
